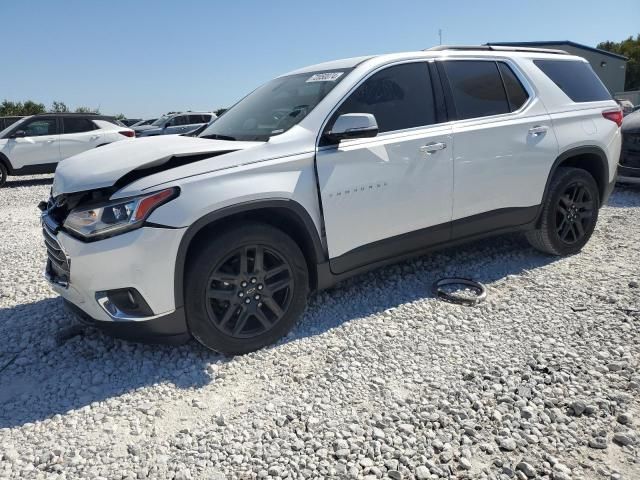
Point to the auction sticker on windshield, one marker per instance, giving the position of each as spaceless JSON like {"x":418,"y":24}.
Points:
{"x":325,"y":77}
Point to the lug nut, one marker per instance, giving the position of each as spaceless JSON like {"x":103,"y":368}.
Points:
{"x":254,"y":280}
{"x":241,"y":294}
{"x":260,"y":287}
{"x":257,"y":297}
{"x":243,"y":284}
{"x":248,"y":300}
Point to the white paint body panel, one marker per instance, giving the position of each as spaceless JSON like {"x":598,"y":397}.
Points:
{"x":378,"y":188}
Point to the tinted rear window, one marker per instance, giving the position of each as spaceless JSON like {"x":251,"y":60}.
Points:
{"x":575,"y":78}
{"x":516,"y":93}
{"x":477,"y":88}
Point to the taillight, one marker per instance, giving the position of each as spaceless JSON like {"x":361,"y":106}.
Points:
{"x":614,"y":115}
{"x":127,"y":133}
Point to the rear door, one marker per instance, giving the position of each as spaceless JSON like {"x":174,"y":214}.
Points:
{"x":78,"y":135}
{"x":39,"y":149}
{"x":391,"y":194}
{"x":503,"y":145}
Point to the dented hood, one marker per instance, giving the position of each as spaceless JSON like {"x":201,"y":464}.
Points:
{"x":104,"y":166}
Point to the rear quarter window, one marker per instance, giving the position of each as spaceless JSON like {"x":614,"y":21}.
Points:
{"x":575,"y":78}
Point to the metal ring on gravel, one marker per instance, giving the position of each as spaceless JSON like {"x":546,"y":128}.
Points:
{"x":479,"y":288}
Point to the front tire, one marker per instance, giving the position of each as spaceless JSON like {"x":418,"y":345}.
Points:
{"x":245,"y":288}
{"x":3,"y":174}
{"x":569,"y":213}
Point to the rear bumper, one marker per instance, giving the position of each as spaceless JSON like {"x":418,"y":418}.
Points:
{"x":169,"y":329}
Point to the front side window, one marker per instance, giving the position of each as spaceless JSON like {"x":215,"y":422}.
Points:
{"x":575,"y":78}
{"x":275,"y":107}
{"x":476,"y":87}
{"x":77,"y":125}
{"x":400,"y":97}
{"x":179,"y":120}
{"x":40,"y":127}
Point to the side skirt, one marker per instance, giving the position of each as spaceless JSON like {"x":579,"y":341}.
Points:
{"x":413,"y":244}
{"x":38,"y":169}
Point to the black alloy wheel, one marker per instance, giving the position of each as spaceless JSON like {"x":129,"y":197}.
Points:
{"x":249,"y":291}
{"x":245,"y":287}
{"x":569,"y":213}
{"x":574,"y":213}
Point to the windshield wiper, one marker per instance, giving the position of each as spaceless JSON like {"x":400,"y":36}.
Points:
{"x":215,"y":136}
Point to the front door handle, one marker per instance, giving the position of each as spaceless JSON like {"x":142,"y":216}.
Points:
{"x":433,"y":147}
{"x":50,"y":140}
{"x":538,"y":130}
{"x":95,"y":137}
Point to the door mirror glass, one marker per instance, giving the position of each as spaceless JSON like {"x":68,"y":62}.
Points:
{"x":19,"y":134}
{"x":354,"y":125}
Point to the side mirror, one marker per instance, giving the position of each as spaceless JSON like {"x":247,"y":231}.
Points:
{"x":353,"y":125}
{"x":19,"y":134}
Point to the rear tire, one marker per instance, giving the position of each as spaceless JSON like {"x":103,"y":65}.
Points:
{"x":3,"y":174}
{"x":245,"y":288}
{"x":569,"y":213}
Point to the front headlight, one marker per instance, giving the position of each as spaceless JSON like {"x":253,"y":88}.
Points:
{"x":118,"y":216}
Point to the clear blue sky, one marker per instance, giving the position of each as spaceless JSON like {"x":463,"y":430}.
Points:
{"x":145,"y":57}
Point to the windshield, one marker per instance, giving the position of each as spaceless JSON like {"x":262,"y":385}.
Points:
{"x":275,"y":107}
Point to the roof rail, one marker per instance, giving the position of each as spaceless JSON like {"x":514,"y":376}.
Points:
{"x":495,"y":48}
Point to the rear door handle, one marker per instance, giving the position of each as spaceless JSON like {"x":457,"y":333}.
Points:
{"x":538,"y":130}
{"x":433,"y":147}
{"x":51,"y":140}
{"x":95,"y":137}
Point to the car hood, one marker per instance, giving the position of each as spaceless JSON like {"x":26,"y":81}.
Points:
{"x":103,"y":167}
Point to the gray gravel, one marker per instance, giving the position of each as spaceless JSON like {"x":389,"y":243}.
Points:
{"x":380,"y":380}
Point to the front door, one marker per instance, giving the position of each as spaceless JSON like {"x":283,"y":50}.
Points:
{"x":39,"y":149}
{"x":390,"y":194}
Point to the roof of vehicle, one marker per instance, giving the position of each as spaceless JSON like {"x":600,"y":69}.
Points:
{"x":560,"y":42}
{"x":93,"y":116}
{"x":434,"y":52}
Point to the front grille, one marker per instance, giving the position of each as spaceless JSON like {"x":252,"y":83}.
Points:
{"x":58,"y":267}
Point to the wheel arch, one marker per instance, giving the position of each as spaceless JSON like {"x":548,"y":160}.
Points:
{"x":5,"y":161}
{"x":285,"y":214}
{"x":590,"y":158}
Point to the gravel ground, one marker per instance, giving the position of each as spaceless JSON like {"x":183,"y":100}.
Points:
{"x":380,"y":380}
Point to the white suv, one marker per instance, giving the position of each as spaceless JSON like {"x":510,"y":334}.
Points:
{"x":36,"y":144}
{"x":323,"y":173}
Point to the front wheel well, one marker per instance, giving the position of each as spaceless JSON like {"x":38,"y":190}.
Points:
{"x":5,"y":161}
{"x":296,"y":225}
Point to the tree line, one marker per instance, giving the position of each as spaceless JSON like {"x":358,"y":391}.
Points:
{"x":630,"y":48}
{"x":29,"y":107}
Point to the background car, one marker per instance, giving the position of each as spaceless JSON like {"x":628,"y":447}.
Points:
{"x":179,"y":123}
{"x":7,"y":121}
{"x":141,"y":123}
{"x":629,"y":166}
{"x":128,"y":122}
{"x":36,"y":144}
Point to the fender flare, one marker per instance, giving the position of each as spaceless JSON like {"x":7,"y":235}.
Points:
{"x":577,"y":151}
{"x":292,"y":206}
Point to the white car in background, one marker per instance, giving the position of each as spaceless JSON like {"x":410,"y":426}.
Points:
{"x":36,"y":144}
